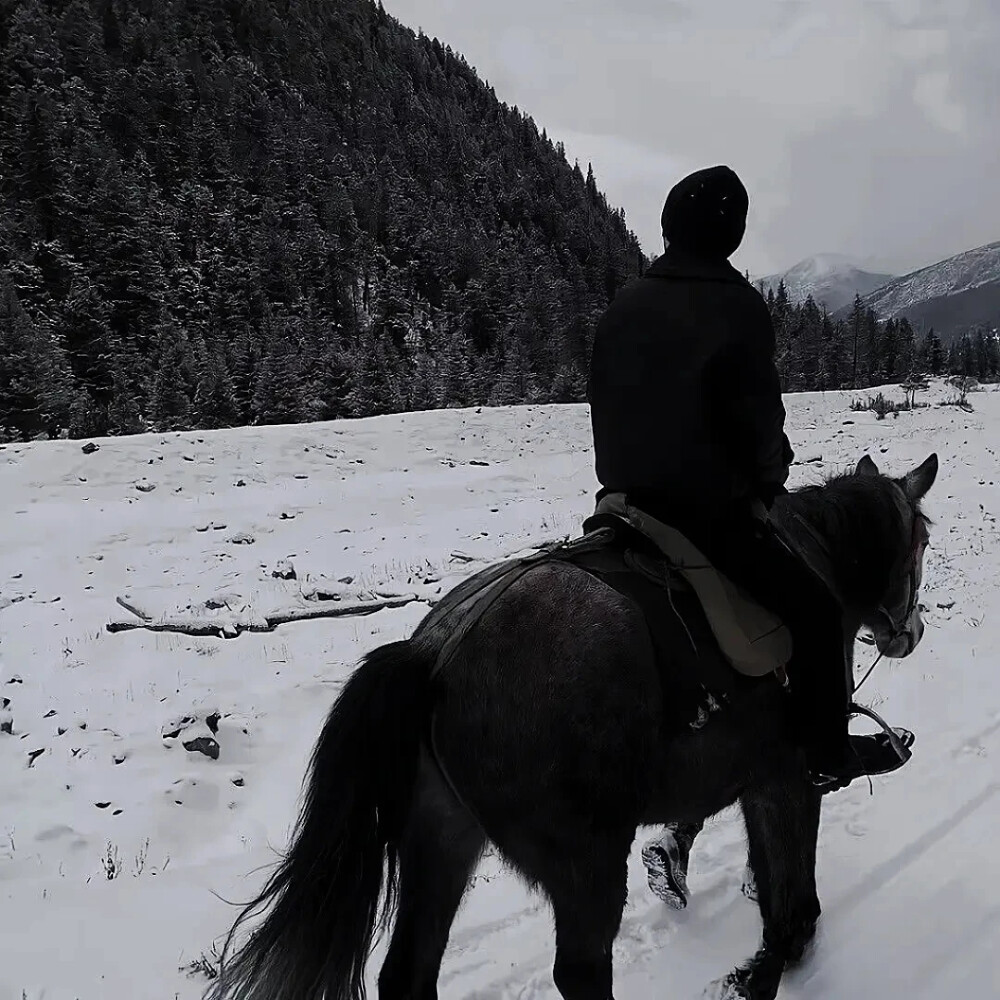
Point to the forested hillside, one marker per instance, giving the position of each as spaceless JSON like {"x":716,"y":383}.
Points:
{"x":219,"y":212}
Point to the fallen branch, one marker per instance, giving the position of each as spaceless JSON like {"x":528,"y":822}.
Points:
{"x":129,"y":605}
{"x":322,"y":600}
{"x":230,"y":628}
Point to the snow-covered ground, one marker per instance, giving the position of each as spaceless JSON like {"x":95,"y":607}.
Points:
{"x":118,"y":846}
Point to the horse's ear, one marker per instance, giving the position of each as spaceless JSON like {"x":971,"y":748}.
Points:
{"x":917,"y":483}
{"x":866,"y":467}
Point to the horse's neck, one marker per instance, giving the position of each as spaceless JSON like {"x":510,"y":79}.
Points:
{"x":805,"y":536}
{"x":844,"y":549}
{"x":821,"y":553}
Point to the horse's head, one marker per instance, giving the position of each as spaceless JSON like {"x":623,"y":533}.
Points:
{"x":895,"y":621}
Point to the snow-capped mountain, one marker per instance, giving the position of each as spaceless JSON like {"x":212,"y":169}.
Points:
{"x":831,"y":279}
{"x":952,"y":295}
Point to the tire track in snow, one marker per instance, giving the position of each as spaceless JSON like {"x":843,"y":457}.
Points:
{"x":951,"y":945}
{"x":975,"y":740}
{"x":912,"y":852}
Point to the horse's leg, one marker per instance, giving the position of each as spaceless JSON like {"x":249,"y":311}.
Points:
{"x":587,"y":884}
{"x":782,"y":821}
{"x":441,"y":845}
{"x":585,"y":880}
{"x":782,"y":828}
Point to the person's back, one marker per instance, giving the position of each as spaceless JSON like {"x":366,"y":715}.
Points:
{"x":688,"y":423}
{"x":685,"y":406}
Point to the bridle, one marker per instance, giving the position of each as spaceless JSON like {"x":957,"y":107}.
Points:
{"x":911,"y":566}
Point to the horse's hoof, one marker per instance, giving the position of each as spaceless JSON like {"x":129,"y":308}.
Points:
{"x":727,"y":988}
{"x":758,"y":979}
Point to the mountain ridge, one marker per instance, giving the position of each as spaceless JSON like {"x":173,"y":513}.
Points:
{"x":831,"y":279}
{"x":955,"y":295}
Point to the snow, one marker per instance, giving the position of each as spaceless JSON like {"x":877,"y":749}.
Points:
{"x":952,"y":276}
{"x":826,"y":263}
{"x":407,"y":505}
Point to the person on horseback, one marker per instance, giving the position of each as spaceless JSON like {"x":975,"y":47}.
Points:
{"x":688,"y":422}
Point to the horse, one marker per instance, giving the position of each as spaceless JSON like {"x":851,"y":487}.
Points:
{"x":547,"y":734}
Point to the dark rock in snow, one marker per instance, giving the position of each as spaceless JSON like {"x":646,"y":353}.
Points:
{"x":90,"y":447}
{"x":205,"y":745}
{"x":284,"y":570}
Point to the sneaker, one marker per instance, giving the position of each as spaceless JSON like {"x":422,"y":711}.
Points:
{"x":666,"y":861}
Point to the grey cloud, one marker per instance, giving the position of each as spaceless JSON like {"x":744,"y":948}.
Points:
{"x":860,"y":126}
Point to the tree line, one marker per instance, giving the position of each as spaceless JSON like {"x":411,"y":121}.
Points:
{"x":814,"y":352}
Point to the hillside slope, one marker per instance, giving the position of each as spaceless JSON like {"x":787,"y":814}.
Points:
{"x":226,"y":212}
{"x":954,"y":296}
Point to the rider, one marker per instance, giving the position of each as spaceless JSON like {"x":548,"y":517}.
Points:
{"x":688,"y":421}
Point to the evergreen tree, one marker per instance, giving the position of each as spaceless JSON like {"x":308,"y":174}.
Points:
{"x":83,"y":322}
{"x":885,"y":365}
{"x":931,"y":356}
{"x":907,"y":349}
{"x":37,"y":396}
{"x":834,"y":362}
{"x":174,"y":379}
{"x":856,"y":325}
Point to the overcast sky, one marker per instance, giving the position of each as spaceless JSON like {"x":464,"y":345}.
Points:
{"x":864,"y":127}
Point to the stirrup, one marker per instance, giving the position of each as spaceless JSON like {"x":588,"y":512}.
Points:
{"x":899,"y":739}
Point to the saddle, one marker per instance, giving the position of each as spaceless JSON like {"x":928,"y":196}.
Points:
{"x":711,"y":640}
{"x":754,"y":640}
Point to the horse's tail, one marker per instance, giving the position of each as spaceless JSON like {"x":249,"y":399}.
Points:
{"x":324,"y":897}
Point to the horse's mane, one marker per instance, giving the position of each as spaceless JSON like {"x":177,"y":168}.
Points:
{"x":861,"y":522}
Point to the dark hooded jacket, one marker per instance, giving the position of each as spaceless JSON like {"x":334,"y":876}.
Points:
{"x":685,"y":399}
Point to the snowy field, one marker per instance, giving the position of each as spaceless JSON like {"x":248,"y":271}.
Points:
{"x":119,"y":843}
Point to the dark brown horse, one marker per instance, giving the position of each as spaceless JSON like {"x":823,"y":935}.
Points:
{"x":547,"y":733}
